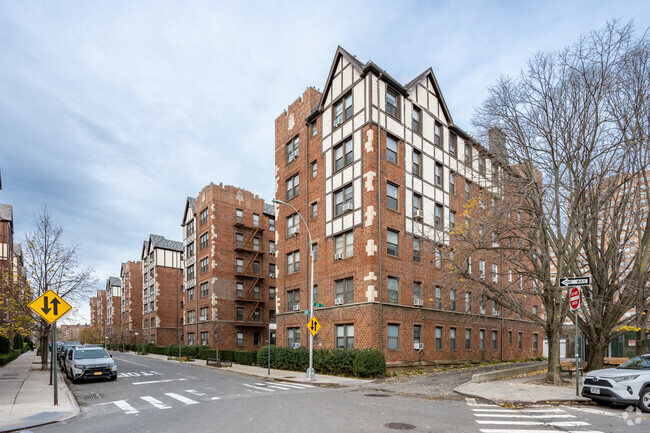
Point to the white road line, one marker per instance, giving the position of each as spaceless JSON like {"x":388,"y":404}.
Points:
{"x":520,"y":410}
{"x":279,"y":387}
{"x":295,"y":385}
{"x":195,"y":392}
{"x":181,"y":398}
{"x":498,"y":430}
{"x":127,"y":408}
{"x":157,"y":403}
{"x":552,"y":424}
{"x":215,"y":398}
{"x":157,"y":381}
{"x":504,"y":415}
{"x":258,"y":387}
{"x":592,"y":411}
{"x":472,"y":402}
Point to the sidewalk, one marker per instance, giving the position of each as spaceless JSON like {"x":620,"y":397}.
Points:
{"x":27,"y":399}
{"x":520,"y":390}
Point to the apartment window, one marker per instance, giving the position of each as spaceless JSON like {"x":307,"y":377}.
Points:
{"x":495,"y":340}
{"x":392,"y":242}
{"x":190,"y":272}
{"x":190,"y":294}
{"x":535,"y":310}
{"x":438,"y":297}
{"x":240,"y":339}
{"x":314,"y":129}
{"x":203,"y":313}
{"x":452,"y":183}
{"x":452,"y":143}
{"x":271,"y":316}
{"x":452,"y":300}
{"x":257,"y":338}
{"x":240,"y":265}
{"x":452,"y":338}
{"x":438,"y":257}
{"x":393,"y":290}
{"x":293,"y":224}
{"x":495,"y":273}
{"x":204,"y":289}
{"x":467,"y":190}
{"x":468,"y":302}
{"x":293,"y":186}
{"x":256,"y":268}
{"x":416,"y":165}
{"x":343,"y":155}
{"x":481,"y":269}
{"x":437,"y":171}
{"x":342,"y":110}
{"x":392,"y":196}
{"x":521,"y":282}
{"x":256,"y":291}
{"x":256,"y":217}
{"x":535,"y":342}
{"x":272,"y":224}
{"x":510,"y":338}
{"x":345,"y":336}
{"x":189,"y":229}
{"x":520,"y":340}
{"x":240,"y":314}
{"x":534,"y":285}
{"x":393,"y":337}
{"x":437,"y":137}
{"x":314,"y":168}
{"x":256,"y":243}
{"x":314,"y":251}
{"x":343,"y":200}
{"x":240,"y":290}
{"x":204,"y":265}
{"x":190,"y":339}
{"x":203,"y":216}
{"x":190,"y":316}
{"x":271,"y":293}
{"x":417,"y":333}
{"x":495,"y":309}
{"x":256,"y":315}
{"x":293,"y":336}
{"x":345,"y":290}
{"x":293,"y":262}
{"x":271,"y":247}
{"x":293,"y":298}
{"x":417,"y":290}
{"x":203,"y":240}
{"x":416,"y":119}
{"x":315,"y":293}
{"x":452,"y":220}
{"x":468,"y":154}
{"x":344,"y":244}
{"x":239,"y":215}
{"x":438,"y":337}
{"x":417,"y":203}
{"x":190,"y":249}
{"x":314,"y":210}
{"x":481,"y":165}
{"x":481,"y":304}
{"x":392,"y":103}
{"x":292,"y":149}
{"x":481,"y":339}
{"x":438,"y":216}
{"x":416,"y":250}
{"x":391,"y":149}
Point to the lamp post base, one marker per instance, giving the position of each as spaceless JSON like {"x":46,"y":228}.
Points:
{"x":310,"y":374}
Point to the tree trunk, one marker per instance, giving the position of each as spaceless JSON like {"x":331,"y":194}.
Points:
{"x":641,"y":340}
{"x":44,"y":350}
{"x":596,"y":354}
{"x":553,"y":334}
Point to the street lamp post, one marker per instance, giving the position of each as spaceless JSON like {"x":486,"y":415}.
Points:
{"x":310,"y":370}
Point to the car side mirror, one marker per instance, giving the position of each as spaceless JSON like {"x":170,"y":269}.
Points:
{"x":110,"y":355}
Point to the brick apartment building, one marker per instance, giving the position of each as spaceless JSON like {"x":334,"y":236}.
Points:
{"x":113,"y":313}
{"x":131,"y":300}
{"x":102,"y":307}
{"x":162,"y":280}
{"x":381,"y":174}
{"x":229,"y":278}
{"x":69,"y":332}
{"x":93,"y":311}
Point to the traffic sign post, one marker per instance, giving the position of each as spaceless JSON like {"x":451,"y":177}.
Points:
{"x":273,"y":326}
{"x":313,"y":326}
{"x":574,"y":302}
{"x":51,"y":307}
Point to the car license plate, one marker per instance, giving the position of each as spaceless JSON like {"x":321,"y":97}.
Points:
{"x":594,"y":390}
{"x":99,"y":373}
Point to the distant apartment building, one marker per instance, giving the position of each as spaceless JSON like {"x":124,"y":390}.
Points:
{"x":382,"y":174}
{"x":162,"y":280}
{"x":70,"y":332}
{"x":229,"y":277}
{"x":113,"y":307}
{"x":102,"y":308}
{"x":93,"y":312}
{"x":131,"y":300}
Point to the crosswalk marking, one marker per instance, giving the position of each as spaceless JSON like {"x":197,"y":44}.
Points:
{"x":195,"y":392}
{"x":127,"y":408}
{"x":520,"y":410}
{"x":516,"y":415}
{"x":258,"y":387}
{"x":157,"y":403}
{"x":554,"y":424}
{"x":157,"y":381}
{"x":181,"y":398}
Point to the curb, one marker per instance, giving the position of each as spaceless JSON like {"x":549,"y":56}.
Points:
{"x":520,"y":402}
{"x":505,"y":373}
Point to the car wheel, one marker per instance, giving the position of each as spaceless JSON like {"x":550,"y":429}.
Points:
{"x":644,"y":400}
{"x":113,"y":377}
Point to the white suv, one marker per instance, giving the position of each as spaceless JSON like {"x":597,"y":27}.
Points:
{"x":86,"y":362}
{"x":628,"y":383}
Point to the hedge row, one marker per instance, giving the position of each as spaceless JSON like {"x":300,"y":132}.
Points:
{"x":8,"y":357}
{"x":248,"y":357}
{"x":5,"y":345}
{"x":340,"y":362}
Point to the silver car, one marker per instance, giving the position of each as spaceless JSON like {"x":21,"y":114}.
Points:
{"x":87,"y":362}
{"x":628,"y":383}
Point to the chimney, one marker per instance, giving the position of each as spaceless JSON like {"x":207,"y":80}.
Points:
{"x":497,"y":143}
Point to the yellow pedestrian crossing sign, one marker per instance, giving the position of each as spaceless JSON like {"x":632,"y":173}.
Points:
{"x":313,"y":326}
{"x":50,"y":306}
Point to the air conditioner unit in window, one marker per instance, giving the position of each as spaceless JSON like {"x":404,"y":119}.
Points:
{"x":338,"y":256}
{"x":296,"y":307}
{"x":272,"y":274}
{"x":337,"y":122}
{"x":347,"y":207}
{"x":295,"y":154}
{"x":295,"y":345}
{"x":293,"y":231}
{"x":418,"y":346}
{"x":419,"y":214}
{"x":418,"y":302}
{"x":338,"y":301}
{"x":272,"y":229}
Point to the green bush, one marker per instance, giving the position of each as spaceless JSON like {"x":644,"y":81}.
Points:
{"x":18,"y":342}
{"x":246,"y":357}
{"x":369,"y":363}
{"x":8,"y":357}
{"x":342,"y":361}
{"x":4,"y":345}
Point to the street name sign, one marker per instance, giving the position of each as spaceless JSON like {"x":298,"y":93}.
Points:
{"x":574,"y":298}
{"x":318,"y":305}
{"x":313,"y":326}
{"x":273,"y":326}
{"x":575,"y":281}
{"x":50,"y":306}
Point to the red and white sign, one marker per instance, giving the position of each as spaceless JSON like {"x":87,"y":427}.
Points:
{"x":574,"y":298}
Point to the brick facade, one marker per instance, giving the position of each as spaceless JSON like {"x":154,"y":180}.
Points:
{"x":131,"y":300}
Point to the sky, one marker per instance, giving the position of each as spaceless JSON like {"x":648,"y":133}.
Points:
{"x":113,"y":112}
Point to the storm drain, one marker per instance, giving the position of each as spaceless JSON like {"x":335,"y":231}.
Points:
{"x":400,"y":426}
{"x":90,"y":397}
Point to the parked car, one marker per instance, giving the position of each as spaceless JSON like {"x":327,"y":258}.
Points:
{"x":87,"y":362}
{"x":65,"y":345}
{"x":629,"y":383}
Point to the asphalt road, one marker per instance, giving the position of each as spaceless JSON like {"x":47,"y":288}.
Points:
{"x":152,"y":395}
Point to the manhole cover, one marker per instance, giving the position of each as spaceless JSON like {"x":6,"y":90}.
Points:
{"x":377,"y":395}
{"x":400,"y":426}
{"x":90,"y":397}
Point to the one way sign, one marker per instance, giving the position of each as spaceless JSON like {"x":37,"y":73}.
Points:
{"x":575,"y":281}
{"x":50,"y":306}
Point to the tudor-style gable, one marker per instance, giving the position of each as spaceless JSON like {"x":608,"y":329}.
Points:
{"x":425,"y":92}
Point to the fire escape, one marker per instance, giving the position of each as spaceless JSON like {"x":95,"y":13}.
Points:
{"x":249,"y":246}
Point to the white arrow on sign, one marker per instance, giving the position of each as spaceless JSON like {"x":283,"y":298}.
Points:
{"x":575,"y":281}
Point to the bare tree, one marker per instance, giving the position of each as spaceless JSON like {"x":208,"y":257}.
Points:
{"x":562,"y":137}
{"x":52,"y":264}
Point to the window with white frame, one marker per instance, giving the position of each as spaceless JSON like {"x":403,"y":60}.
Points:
{"x":481,"y":269}
{"x":392,"y":242}
{"x":293,"y":298}
{"x":393,"y":337}
{"x":292,"y":149}
{"x":438,"y":337}
{"x":342,"y":110}
{"x":293,"y":186}
{"x":391,"y":149}
{"x":452,"y":338}
{"x":240,"y":339}
{"x":495,"y":273}
{"x":345,"y":336}
{"x":417,"y":290}
{"x":416,"y":163}
{"x":468,"y":302}
{"x":344,"y":289}
{"x":204,"y":289}
{"x":392,"y":102}
{"x":393,"y":290}
{"x":343,"y":200}
{"x":203,"y":314}
{"x":452,"y":183}
{"x":438,"y":297}
{"x":293,"y":262}
{"x":416,"y":119}
{"x":438,"y":174}
{"x":437,"y":134}
{"x":468,"y":339}
{"x":392,"y":196}
{"x":438,"y":219}
{"x":417,"y":203}
{"x":452,"y":143}
{"x":343,"y":154}
{"x":452,"y":300}
{"x":344,"y":244}
{"x":293,"y":336}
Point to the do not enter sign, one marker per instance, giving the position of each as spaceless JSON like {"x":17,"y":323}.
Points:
{"x":574,"y":298}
